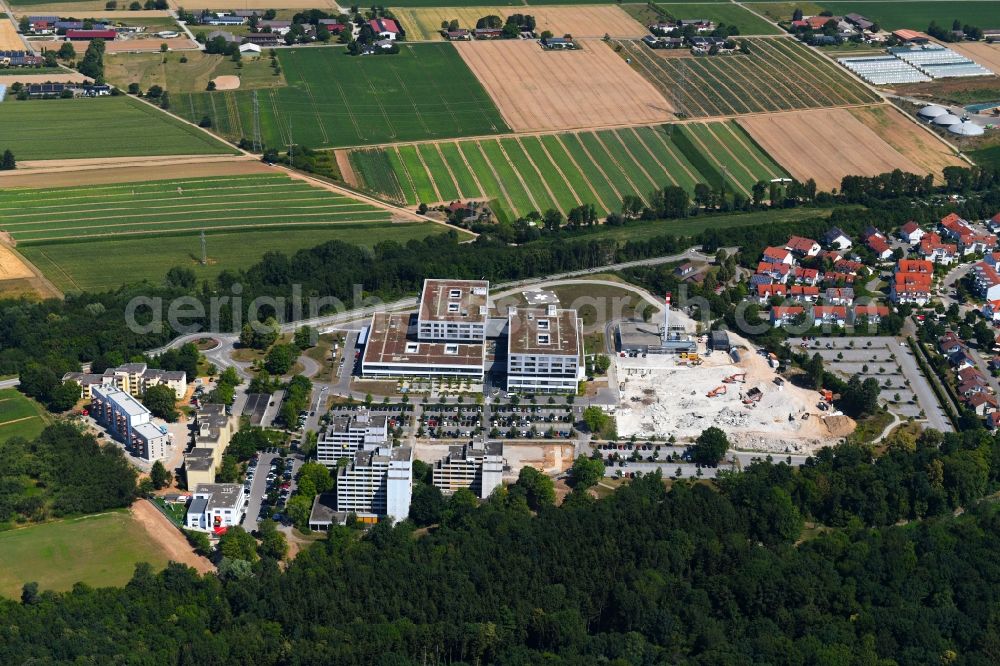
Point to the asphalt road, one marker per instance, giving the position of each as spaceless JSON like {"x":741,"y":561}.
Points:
{"x":933,"y":411}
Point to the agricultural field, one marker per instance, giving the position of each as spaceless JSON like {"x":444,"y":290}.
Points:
{"x":538,"y":90}
{"x":924,"y":149}
{"x":918,"y":15}
{"x":71,"y":266}
{"x":727,"y":13}
{"x":536,"y":173}
{"x":103,"y":127}
{"x":581,"y":22}
{"x":172,"y":206}
{"x":9,"y":39}
{"x":20,"y":416}
{"x":332,"y":99}
{"x":777,"y":75}
{"x":782,"y":11}
{"x":829,"y":157}
{"x":148,"y":69}
{"x":98,"y":550}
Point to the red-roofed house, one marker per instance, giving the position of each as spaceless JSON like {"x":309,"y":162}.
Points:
{"x":912,"y":282}
{"x":934,"y":250}
{"x":911,"y":232}
{"x":982,"y":403}
{"x":839,"y":296}
{"x":804,"y":247}
{"x":803,"y":293}
{"x":845,"y":266}
{"x":835,"y":277}
{"x":835,"y":315}
{"x":765,"y":292}
{"x":786,"y":314}
{"x":108,"y":35}
{"x":777,"y":272}
{"x":871,"y":313}
{"x":987,"y":281}
{"x":879,"y":246}
{"x":777,"y":255}
{"x":832,"y":255}
{"x":385,"y":28}
{"x":991,"y":310}
{"x":805,"y":275}
{"x":819,"y":22}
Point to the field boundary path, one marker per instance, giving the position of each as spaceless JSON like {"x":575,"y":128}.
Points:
{"x":174,"y":544}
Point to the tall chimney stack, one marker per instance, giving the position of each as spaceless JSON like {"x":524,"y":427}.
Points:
{"x":666,"y":318}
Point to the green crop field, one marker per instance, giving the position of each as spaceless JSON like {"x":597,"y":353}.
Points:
{"x":536,"y":173}
{"x":99,"y":550}
{"x":425,"y":91}
{"x":71,"y":266}
{"x":171,"y":206}
{"x":777,"y":75}
{"x":20,"y":416}
{"x":718,"y":12}
{"x":918,"y":15}
{"x":103,"y":127}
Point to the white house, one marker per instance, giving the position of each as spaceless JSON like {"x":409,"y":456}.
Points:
{"x":215,"y":507}
{"x":837,"y":238}
{"x":911,"y":233}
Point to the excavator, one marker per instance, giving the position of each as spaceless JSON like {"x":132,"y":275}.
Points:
{"x":718,"y":390}
{"x":738,"y":377}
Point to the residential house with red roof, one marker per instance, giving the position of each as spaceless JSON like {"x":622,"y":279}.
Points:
{"x":835,"y":278}
{"x":777,"y":255}
{"x":934,"y":250}
{"x":871,"y":313}
{"x":766,"y":292}
{"x":911,"y":232}
{"x":879,"y":244}
{"x":833,"y":315}
{"x":385,"y":28}
{"x":803,"y":247}
{"x":912,"y":281}
{"x":839,"y":296}
{"x":786,"y":314}
{"x":801,"y":292}
{"x":808,"y":276}
{"x":982,"y":403}
{"x":777,"y":272}
{"x":846,"y":266}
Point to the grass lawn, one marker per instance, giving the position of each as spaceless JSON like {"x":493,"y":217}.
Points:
{"x":986,"y":156}
{"x":918,"y":15}
{"x":99,"y":550}
{"x":104,"y":127}
{"x":148,"y":69}
{"x":332,"y":99}
{"x":20,"y":416}
{"x":71,"y":266}
{"x":216,"y":203}
{"x":730,"y":14}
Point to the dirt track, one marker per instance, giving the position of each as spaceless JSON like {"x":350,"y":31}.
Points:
{"x":227,"y":82}
{"x":826,"y":145}
{"x":62,"y":77}
{"x":168,"y":537}
{"x":539,"y":90}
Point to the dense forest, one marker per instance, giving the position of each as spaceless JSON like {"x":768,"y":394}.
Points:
{"x":62,"y":472}
{"x":694,"y":574}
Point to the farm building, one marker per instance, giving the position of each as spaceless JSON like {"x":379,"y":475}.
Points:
{"x":263,"y":39}
{"x":20,"y":59}
{"x":966,"y":128}
{"x":460,"y":35}
{"x":556,"y":43}
{"x":911,"y":37}
{"x":250,"y":49}
{"x":224,"y":19}
{"x":74,"y":35}
{"x":385,"y":28}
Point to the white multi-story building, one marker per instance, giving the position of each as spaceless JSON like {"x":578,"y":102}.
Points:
{"x":376,"y":484}
{"x":346,"y":435}
{"x":216,"y":506}
{"x":544,"y":347}
{"x":132,"y":378}
{"x":392,"y":349}
{"x":479,"y":468}
{"x":453,"y":311}
{"x":128,"y":421}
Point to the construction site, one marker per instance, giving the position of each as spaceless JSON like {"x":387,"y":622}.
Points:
{"x":737,"y":390}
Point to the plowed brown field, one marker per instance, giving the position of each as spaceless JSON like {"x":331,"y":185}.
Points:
{"x":538,"y":90}
{"x":581,"y":21}
{"x":826,"y":145}
{"x":913,"y":142}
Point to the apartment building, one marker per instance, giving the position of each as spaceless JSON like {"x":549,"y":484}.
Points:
{"x":987,"y":281}
{"x":544,"y":350}
{"x":376,"y":484}
{"x":477,"y":467}
{"x":132,"y":378}
{"x":453,"y":310}
{"x":129,"y":422}
{"x":346,"y":435}
{"x":213,"y":430}
{"x":215,"y":507}
{"x":912,"y":281}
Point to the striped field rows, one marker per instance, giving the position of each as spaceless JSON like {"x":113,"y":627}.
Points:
{"x":560,"y":171}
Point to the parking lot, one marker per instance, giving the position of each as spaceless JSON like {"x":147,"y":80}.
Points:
{"x":889,"y":361}
{"x":451,"y":421}
{"x":532,"y":421}
{"x":270,"y":482}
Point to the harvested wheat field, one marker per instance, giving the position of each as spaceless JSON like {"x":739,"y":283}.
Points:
{"x":145,"y":45}
{"x":987,"y":55}
{"x":328,"y":5}
{"x":539,"y":90}
{"x":927,"y":151}
{"x":61,"y":77}
{"x":825,"y":145}
{"x":9,"y":39}
{"x":12,"y":267}
{"x":581,"y":21}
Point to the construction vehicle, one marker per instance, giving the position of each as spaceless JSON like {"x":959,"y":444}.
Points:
{"x":738,"y":377}
{"x":826,"y":394}
{"x":718,"y":390}
{"x":753,"y":396}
